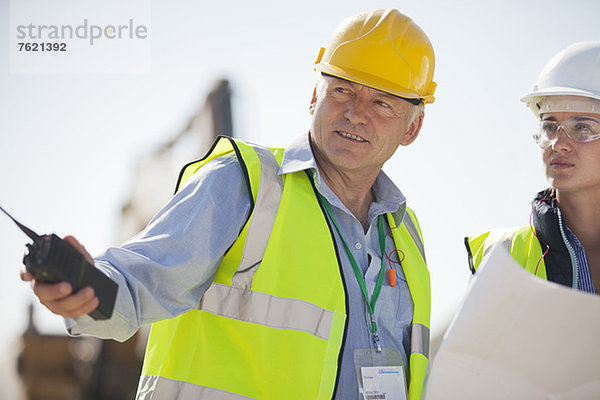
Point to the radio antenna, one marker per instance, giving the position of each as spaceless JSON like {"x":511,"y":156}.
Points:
{"x":34,"y":236}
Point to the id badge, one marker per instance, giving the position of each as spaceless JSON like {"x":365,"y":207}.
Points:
{"x":380,"y":375}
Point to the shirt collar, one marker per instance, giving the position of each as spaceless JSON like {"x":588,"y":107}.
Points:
{"x":298,"y":156}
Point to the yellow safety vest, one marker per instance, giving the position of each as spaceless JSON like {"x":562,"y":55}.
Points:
{"x":272,"y":323}
{"x":520,"y":242}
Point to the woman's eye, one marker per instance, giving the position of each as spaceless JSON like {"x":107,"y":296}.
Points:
{"x":549,"y":127}
{"x":582,"y":128}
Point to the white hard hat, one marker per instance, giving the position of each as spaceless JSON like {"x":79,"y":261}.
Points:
{"x":575,"y":71}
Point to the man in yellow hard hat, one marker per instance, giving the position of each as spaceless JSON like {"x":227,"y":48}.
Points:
{"x":562,"y":241}
{"x":296,"y":274}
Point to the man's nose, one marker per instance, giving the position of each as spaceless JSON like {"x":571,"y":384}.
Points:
{"x":356,"y":110}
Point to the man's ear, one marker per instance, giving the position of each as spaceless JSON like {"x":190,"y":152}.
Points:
{"x":413,"y":130}
{"x":313,"y":102}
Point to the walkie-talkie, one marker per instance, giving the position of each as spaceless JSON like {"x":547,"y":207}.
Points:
{"x":52,"y":260}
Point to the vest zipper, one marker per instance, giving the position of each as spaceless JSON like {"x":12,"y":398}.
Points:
{"x":574,"y":264}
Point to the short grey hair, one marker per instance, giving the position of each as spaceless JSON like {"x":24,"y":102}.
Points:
{"x":415,"y":111}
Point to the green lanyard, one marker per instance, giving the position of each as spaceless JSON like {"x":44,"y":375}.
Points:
{"x":357,"y":272}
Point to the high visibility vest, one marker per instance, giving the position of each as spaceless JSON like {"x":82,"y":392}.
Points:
{"x":521,"y":242}
{"x":272,"y":323}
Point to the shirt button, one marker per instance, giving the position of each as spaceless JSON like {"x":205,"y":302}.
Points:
{"x":357,"y":246}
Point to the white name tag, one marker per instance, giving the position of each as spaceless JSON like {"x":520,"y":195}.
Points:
{"x":383,"y":383}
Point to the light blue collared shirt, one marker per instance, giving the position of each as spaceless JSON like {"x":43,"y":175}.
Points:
{"x":584,"y":281}
{"x":164,"y":270}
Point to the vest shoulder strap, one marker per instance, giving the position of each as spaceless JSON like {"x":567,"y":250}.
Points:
{"x":520,"y":242}
{"x":259,"y":166}
{"x":526,"y":249}
{"x":405,"y":215}
{"x":267,"y":198}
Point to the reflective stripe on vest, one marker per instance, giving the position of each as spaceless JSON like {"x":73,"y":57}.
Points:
{"x":263,"y":218}
{"x":261,"y":308}
{"x":156,"y":387}
{"x":417,"y":278}
{"x":251,"y":335}
{"x":520,"y":242}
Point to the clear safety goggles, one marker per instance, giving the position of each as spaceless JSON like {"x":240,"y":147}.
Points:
{"x":579,"y":129}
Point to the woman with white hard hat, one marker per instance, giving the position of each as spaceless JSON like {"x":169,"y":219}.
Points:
{"x":562,"y":241}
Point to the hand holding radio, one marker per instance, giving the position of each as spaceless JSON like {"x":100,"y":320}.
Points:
{"x":59,"y":297}
{"x":65,"y":278}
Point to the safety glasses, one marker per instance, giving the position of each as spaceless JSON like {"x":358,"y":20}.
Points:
{"x":579,"y":129}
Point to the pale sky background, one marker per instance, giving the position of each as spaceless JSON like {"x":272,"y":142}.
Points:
{"x":69,"y":142}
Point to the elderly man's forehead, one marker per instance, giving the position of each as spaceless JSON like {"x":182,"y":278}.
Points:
{"x":354,"y":84}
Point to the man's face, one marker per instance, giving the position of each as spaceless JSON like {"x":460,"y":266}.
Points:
{"x":356,"y":128}
{"x":571,"y":166}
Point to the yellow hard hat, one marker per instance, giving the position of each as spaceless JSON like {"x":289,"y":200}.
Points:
{"x":382,"y":49}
